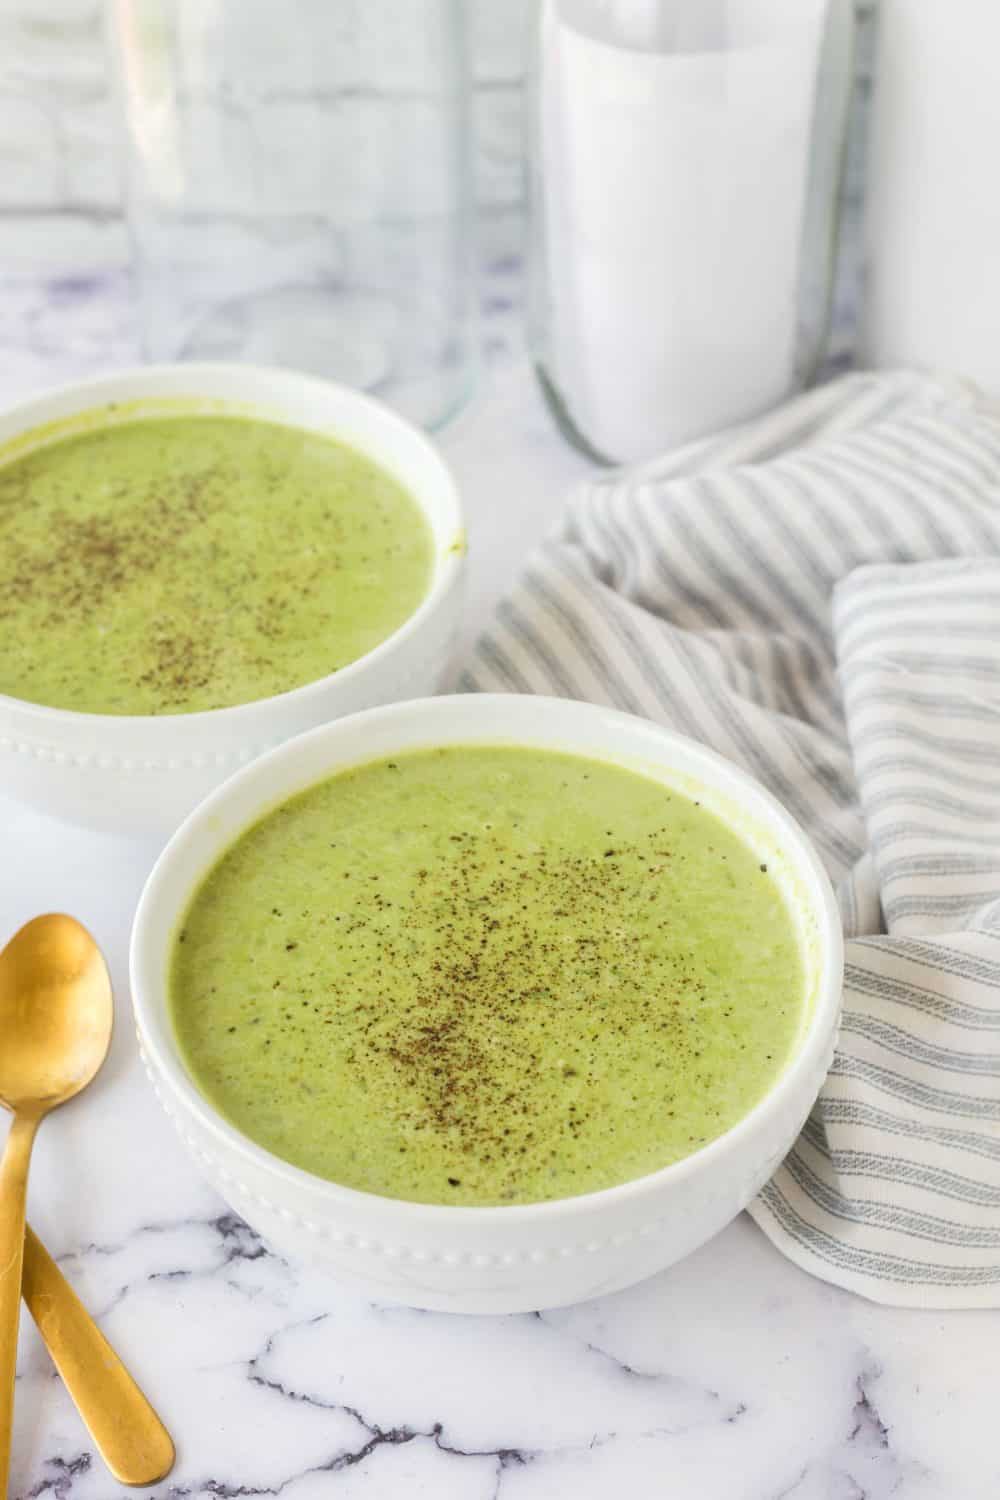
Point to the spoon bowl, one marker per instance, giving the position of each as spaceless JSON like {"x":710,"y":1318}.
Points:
{"x":56,"y":1014}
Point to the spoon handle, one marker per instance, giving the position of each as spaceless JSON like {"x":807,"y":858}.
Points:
{"x":132,"y":1440}
{"x":13,"y":1191}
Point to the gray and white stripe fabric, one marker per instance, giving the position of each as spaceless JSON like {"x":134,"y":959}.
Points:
{"x":817,"y":596}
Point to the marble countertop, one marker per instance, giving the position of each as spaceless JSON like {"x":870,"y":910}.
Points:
{"x":732,"y":1377}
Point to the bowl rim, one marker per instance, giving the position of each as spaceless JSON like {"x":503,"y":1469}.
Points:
{"x":447,"y":564}
{"x":812,"y":1045}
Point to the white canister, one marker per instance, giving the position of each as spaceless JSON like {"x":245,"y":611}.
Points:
{"x":683,"y":181}
{"x":933,"y":278}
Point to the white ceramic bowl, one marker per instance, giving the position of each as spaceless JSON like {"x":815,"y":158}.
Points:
{"x":519,"y":1257}
{"x":144,"y":773}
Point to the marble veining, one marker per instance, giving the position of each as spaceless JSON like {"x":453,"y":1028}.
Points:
{"x":305,"y":1385}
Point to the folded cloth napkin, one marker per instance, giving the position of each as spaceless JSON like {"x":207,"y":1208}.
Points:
{"x":817,"y":596}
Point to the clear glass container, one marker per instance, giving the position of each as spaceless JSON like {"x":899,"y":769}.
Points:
{"x":298,"y":188}
{"x":684,"y":167}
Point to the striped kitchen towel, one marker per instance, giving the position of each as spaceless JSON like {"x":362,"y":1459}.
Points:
{"x":817,"y":596}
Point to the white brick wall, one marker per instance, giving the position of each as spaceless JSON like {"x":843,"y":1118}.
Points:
{"x":59,"y":189}
{"x":56,"y":132}
{"x":55,"y":128}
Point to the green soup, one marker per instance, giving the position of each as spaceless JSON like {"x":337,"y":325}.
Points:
{"x":486,"y":976}
{"x":174,"y":563}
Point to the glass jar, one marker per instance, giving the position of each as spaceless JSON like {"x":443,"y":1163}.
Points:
{"x":298,"y":188}
{"x":683,"y":183}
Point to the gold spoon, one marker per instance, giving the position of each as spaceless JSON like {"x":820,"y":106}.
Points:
{"x":129,"y":1436}
{"x":56,"y":1014}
